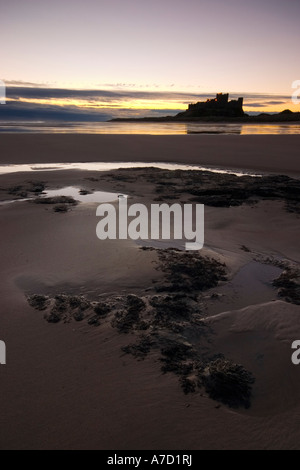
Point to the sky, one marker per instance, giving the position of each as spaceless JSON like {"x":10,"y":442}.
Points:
{"x":125,"y":57}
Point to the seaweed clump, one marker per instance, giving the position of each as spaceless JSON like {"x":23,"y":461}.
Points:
{"x":288,"y":284}
{"x":140,"y":349}
{"x":227,"y":382}
{"x":189,"y":272}
{"x":56,"y":200}
{"x":39,"y":302}
{"x":130,"y":318}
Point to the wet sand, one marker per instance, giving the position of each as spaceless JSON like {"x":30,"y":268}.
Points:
{"x":70,"y":386}
{"x":270,"y":153}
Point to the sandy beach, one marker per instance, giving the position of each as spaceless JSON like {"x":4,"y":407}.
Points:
{"x":80,"y":383}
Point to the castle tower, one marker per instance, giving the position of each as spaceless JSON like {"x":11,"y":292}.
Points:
{"x":222,"y":99}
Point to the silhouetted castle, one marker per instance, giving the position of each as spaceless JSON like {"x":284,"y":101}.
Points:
{"x":219,"y":106}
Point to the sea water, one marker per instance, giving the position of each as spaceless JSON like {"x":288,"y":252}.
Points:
{"x":147,"y":128}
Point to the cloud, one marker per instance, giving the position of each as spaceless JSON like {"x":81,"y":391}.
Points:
{"x":15,"y":110}
{"x":276,"y":102}
{"x":255,"y":105}
{"x":64,"y":93}
{"x":265,"y":104}
{"x":21,"y":83}
{"x":261,"y":96}
{"x":43,"y":103}
{"x":19,"y":111}
{"x":42,"y":92}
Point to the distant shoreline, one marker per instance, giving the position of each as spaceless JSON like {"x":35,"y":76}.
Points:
{"x":260,"y":119}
